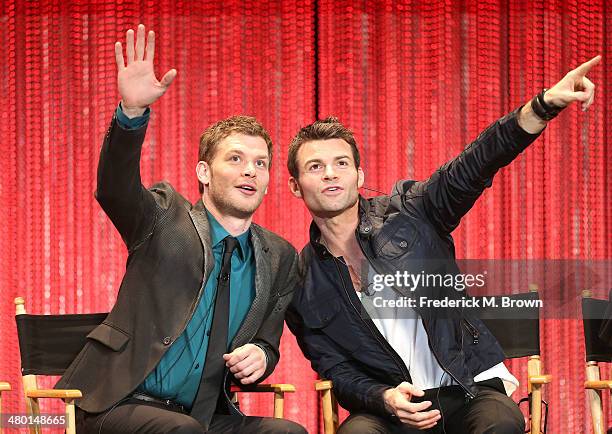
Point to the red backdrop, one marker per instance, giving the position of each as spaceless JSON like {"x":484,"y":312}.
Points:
{"x":415,"y":81}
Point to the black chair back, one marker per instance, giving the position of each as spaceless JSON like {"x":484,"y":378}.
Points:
{"x":49,"y":343}
{"x":516,"y":328}
{"x":593,"y":315}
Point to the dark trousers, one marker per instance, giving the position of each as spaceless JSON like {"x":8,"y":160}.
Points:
{"x":490,"y":412}
{"x":134,"y":416}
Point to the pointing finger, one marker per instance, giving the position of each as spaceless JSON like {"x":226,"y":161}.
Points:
{"x":583,"y":69}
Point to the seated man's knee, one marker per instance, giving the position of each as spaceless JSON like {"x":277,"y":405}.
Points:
{"x":494,"y":413}
{"x":507,"y":426}
{"x":503,"y":421}
{"x":362,"y":423}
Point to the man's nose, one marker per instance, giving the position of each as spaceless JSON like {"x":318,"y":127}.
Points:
{"x":329,"y":173}
{"x":249,"y":170}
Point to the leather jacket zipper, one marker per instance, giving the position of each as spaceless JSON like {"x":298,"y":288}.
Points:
{"x":472,"y":329}
{"x":400,"y":364}
{"x":448,"y":371}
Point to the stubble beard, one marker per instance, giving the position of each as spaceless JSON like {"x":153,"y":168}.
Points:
{"x":228,"y":207}
{"x":334,"y":210}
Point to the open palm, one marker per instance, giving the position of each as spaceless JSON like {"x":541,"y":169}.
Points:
{"x":137,"y":83}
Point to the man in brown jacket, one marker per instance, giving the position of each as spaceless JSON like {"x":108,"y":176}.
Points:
{"x":205,"y":290}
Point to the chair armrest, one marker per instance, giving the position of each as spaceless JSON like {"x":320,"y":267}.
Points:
{"x":54,"y":393}
{"x":323,"y":385}
{"x":276,"y":387}
{"x":598,"y":384}
{"x":4,"y":386}
{"x":540,"y":379}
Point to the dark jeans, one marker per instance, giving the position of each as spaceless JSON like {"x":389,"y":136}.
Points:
{"x":133,"y":416}
{"x":490,"y":412}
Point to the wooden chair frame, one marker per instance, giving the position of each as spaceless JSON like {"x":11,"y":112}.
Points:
{"x":4,"y":387}
{"x":594,"y":387}
{"x":278,"y":389}
{"x":329,"y":404}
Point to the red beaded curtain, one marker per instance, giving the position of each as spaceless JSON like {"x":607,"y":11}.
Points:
{"x":415,"y":81}
{"x":418,"y":81}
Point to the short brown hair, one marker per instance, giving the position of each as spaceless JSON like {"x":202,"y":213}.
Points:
{"x":214,"y":134}
{"x":325,"y":129}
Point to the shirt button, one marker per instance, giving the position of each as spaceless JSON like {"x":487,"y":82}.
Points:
{"x":208,"y":333}
{"x":403,"y":244}
{"x":367,"y":229}
{"x":167,"y":340}
{"x":197,"y":366}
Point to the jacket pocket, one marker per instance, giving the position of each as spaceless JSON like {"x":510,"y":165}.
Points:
{"x":330,"y":319}
{"x":110,"y":336}
{"x":396,"y":238}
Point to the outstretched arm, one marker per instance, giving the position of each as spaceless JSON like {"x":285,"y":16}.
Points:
{"x":129,"y":205}
{"x":454,"y":188}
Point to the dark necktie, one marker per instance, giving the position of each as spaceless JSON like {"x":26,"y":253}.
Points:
{"x":214,"y":367}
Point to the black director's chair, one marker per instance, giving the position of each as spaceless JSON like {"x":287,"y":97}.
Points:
{"x":597,"y":350}
{"x":49,"y":343}
{"x":517,"y":329}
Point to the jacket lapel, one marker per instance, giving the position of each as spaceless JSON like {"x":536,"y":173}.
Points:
{"x":263,"y":286}
{"x":200,"y":221}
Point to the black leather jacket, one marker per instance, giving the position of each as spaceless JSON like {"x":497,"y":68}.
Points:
{"x":412,"y":224}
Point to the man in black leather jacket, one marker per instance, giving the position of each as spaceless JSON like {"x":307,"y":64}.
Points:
{"x":439,"y":370}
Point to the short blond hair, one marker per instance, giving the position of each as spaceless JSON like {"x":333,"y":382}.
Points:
{"x":214,"y":134}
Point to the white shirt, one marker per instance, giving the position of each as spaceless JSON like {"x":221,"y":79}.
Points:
{"x":405,"y":333}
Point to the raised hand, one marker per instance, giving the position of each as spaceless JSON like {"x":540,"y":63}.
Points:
{"x":575,"y":86}
{"x":138,"y":85}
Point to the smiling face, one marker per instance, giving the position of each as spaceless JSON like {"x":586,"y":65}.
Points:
{"x":237,"y":177}
{"x":328,"y":180}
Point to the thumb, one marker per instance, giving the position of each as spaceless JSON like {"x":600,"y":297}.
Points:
{"x":168,"y":78}
{"x":410,"y":389}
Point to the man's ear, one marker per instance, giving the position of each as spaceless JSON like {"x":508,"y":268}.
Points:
{"x":203,"y":172}
{"x":295,"y":187}
{"x":360,"y":178}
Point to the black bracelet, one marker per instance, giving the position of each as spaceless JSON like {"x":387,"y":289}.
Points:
{"x":542,"y":109}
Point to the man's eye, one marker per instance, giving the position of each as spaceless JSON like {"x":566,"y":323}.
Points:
{"x":261,"y":163}
{"x":314,"y":167}
{"x":235,"y":158}
{"x":343,"y":163}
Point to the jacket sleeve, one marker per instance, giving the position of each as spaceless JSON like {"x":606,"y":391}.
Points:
{"x":453,"y":189}
{"x":120,"y":193}
{"x":354,"y":389}
{"x":269,"y":334}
